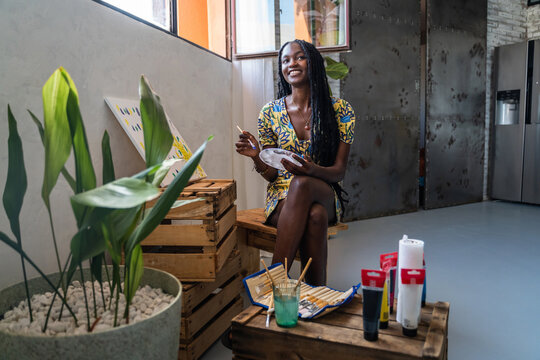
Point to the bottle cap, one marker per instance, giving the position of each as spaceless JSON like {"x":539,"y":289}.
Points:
{"x":371,"y":336}
{"x":409,"y":332}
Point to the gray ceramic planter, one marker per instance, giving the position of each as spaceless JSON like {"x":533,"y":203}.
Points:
{"x":154,"y":338}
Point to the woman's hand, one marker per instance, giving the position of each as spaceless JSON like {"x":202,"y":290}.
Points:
{"x":247,"y":145}
{"x":307,"y":167}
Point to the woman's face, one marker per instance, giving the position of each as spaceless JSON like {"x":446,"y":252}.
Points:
{"x":294,"y":64}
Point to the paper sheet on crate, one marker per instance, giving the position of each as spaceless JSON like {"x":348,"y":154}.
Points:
{"x":315,"y":301}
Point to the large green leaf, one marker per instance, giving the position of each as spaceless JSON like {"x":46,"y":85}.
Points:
{"x":96,"y":267}
{"x":84,"y":170}
{"x":157,"y":134}
{"x":86,"y":244}
{"x":108,"y":166}
{"x":70,"y":180}
{"x":57,"y":133}
{"x":163,"y":170}
{"x":335,"y":70}
{"x":117,"y":227}
{"x":166,"y":200}
{"x":123,"y":193}
{"x":15,"y":187}
{"x":135,"y":272}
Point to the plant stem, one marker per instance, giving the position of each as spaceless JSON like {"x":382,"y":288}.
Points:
{"x":54,"y":241}
{"x":93,"y":293}
{"x":54,"y":298}
{"x":102,"y":296}
{"x":116,"y":283}
{"x":85,"y":299}
{"x":26,"y":285}
{"x":116,"y":306}
{"x":109,"y":281}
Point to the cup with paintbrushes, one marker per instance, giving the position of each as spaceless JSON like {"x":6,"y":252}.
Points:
{"x":286,"y":296}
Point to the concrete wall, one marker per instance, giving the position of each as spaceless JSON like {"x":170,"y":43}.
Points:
{"x":105,"y":52}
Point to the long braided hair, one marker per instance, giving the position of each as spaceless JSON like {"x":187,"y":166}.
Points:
{"x":324,"y":129}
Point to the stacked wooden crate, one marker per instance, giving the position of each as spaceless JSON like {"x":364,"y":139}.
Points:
{"x":197,"y":243}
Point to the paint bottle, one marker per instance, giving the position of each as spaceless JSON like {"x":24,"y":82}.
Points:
{"x":393,"y":257}
{"x":424,"y":287}
{"x":412,"y":281}
{"x":386,"y":298}
{"x":372,"y":293}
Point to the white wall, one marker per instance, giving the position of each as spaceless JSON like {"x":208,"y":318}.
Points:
{"x":105,"y":52}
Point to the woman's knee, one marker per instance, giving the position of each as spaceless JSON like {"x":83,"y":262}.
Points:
{"x":300,"y":184}
{"x":318,"y":216}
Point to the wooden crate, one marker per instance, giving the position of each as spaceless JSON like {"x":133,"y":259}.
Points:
{"x":208,"y":308}
{"x":194,"y":240}
{"x":339,"y":335}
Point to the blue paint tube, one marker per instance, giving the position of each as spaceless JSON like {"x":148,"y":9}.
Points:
{"x":372,"y":294}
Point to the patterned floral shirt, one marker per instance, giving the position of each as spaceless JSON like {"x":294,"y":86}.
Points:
{"x":275,"y":130}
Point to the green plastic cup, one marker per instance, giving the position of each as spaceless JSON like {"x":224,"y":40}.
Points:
{"x":286,"y":296}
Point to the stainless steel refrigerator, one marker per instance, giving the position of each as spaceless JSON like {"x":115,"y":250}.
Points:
{"x":515,"y":174}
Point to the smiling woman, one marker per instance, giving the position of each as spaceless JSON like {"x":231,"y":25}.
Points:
{"x":302,"y":198}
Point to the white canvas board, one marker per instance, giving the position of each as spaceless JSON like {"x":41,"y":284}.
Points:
{"x":128,"y":115}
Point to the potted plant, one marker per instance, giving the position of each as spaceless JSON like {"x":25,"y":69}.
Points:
{"x":111,"y":219}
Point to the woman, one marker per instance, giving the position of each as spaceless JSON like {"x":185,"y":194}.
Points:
{"x":303,"y":200}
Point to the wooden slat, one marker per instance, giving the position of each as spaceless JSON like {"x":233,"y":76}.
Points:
{"x":181,"y":235}
{"x":224,"y":201}
{"x":207,"y":234}
{"x":312,"y":340}
{"x":202,"y":210}
{"x":194,"y":322}
{"x":436,"y":337}
{"x":225,"y":223}
{"x":250,"y":255}
{"x":247,"y":315}
{"x":186,"y":267}
{"x":194,"y":293}
{"x":211,"y":334}
{"x":225,"y":249}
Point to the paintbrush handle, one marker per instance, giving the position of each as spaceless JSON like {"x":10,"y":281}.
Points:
{"x":304,"y":272}
{"x":268,"y":273}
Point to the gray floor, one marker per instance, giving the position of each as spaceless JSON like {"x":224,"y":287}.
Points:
{"x":483,"y":258}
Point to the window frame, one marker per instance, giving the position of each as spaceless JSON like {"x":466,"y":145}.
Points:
{"x":274,"y":53}
{"x":173,"y":31}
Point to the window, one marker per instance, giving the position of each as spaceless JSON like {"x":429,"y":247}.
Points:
{"x":202,"y":22}
{"x":157,"y":12}
{"x":262,"y":26}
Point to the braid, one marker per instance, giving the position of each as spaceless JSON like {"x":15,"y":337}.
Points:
{"x":324,"y":131}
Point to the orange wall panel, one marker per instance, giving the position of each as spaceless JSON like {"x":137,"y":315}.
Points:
{"x":193,"y":21}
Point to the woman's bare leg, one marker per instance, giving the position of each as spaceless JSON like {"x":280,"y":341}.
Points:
{"x":315,"y":245}
{"x":295,"y":226}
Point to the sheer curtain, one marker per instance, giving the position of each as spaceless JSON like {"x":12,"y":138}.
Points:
{"x":253,"y":87}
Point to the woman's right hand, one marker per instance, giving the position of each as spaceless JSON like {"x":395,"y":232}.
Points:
{"x":247,"y":145}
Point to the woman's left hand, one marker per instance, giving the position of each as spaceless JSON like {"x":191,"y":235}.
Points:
{"x":307,"y":167}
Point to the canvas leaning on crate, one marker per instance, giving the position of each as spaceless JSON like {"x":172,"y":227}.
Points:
{"x":128,"y":114}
